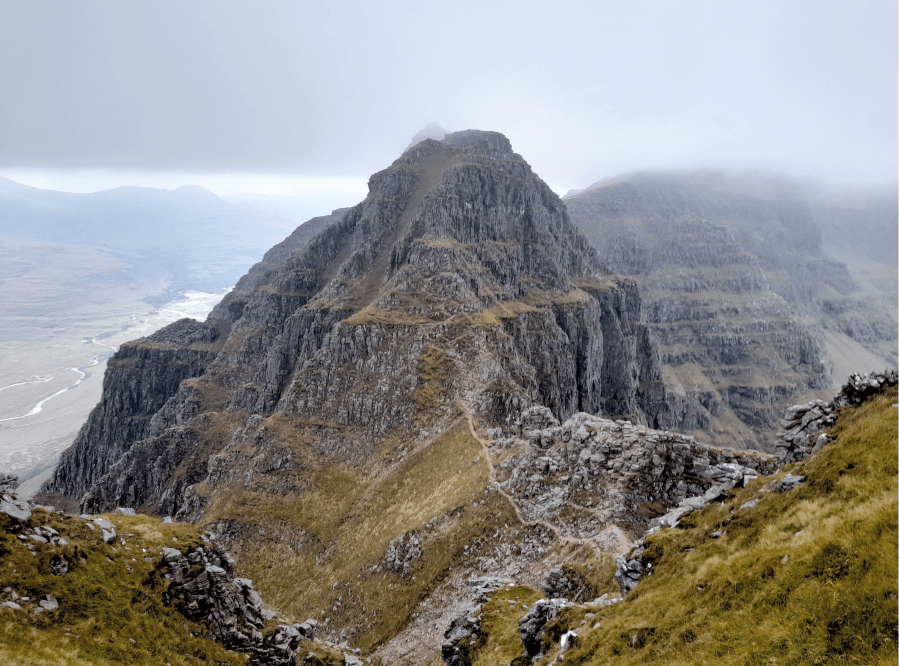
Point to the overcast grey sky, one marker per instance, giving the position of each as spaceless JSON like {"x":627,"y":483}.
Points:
{"x":584,"y":90}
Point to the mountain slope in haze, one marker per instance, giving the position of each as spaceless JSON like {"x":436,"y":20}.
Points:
{"x":188,"y":236}
{"x":857,"y":223}
{"x":748,"y":311}
{"x":323,"y":420}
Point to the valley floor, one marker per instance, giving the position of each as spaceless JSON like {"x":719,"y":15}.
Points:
{"x":61,"y":321}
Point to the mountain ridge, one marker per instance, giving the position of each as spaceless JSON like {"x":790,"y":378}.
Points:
{"x":748,"y":311}
{"x":385,"y":419}
{"x":369,"y":272}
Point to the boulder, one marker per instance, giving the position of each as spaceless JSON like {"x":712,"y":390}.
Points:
{"x":787,"y":483}
{"x":531,"y":626}
{"x":19,"y":511}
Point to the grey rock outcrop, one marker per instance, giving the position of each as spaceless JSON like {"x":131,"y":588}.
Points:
{"x":461,"y":639}
{"x":464,"y":631}
{"x":401,"y":552}
{"x":203,"y":581}
{"x":18,"y":510}
{"x":805,"y":426}
{"x":557,"y":585}
{"x":590,"y":472}
{"x":531,"y":626}
{"x":630,"y":570}
{"x":787,"y":483}
{"x":203,"y":586}
{"x":8,"y":483}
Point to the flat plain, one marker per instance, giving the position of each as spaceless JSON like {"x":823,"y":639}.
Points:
{"x":65,"y":309}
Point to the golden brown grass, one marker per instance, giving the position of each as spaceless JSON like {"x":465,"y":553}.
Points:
{"x":322,"y":553}
{"x":804,"y":577}
{"x":111,"y":603}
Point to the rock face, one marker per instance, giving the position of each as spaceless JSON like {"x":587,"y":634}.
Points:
{"x":203,"y":581}
{"x":139,"y":379}
{"x":805,"y":426}
{"x":459,"y":278}
{"x":464,"y":631}
{"x":530,"y":627}
{"x":590,"y":473}
{"x":746,"y":309}
{"x":8,"y":483}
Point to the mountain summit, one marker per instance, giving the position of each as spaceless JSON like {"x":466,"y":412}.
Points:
{"x":458,"y":280}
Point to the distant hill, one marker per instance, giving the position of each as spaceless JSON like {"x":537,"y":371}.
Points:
{"x":748,"y":303}
{"x":189,"y":236}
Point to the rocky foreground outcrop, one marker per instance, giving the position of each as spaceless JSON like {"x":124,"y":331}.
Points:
{"x":805,"y":426}
{"x":199,"y":581}
{"x":589,"y":473}
{"x":203,"y":581}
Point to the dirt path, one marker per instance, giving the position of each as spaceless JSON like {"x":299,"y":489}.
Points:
{"x":564,"y":538}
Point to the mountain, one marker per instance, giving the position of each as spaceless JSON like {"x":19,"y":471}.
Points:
{"x":321,"y":420}
{"x":188,"y":236}
{"x":408,"y":422}
{"x":749,"y":311}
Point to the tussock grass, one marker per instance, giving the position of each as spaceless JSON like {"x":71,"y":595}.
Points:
{"x":500,"y":642}
{"x":112,"y":606}
{"x":804,"y":577}
{"x":371,"y":314}
{"x":323,"y":551}
{"x":433,"y":368}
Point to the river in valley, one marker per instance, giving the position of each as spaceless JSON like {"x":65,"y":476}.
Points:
{"x":49,"y":386}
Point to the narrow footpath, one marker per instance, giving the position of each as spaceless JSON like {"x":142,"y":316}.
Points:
{"x":564,"y":538}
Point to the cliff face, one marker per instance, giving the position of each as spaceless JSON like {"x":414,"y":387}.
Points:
{"x":458,"y":281}
{"x":139,"y":379}
{"x":747,"y":311}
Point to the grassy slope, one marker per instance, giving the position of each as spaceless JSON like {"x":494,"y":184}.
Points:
{"x":110,"y":597}
{"x":804,"y":577}
{"x":322,"y":551}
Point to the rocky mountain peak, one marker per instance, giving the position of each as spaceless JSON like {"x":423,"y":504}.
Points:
{"x":429,"y":131}
{"x":458,"y":281}
{"x":464,"y":205}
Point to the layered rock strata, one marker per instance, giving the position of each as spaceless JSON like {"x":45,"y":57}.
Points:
{"x":747,"y":311}
{"x":140,"y":377}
